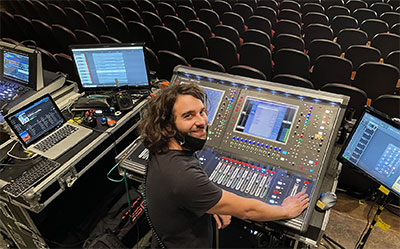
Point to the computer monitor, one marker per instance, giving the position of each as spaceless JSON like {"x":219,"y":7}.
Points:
{"x":21,"y":65}
{"x":266,"y":119}
{"x":214,"y":97}
{"x":109,"y":66}
{"x":374,"y":148}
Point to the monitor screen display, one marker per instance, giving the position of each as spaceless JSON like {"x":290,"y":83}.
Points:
{"x":266,"y":119}
{"x":374,"y":147}
{"x":16,"y":66}
{"x":35,"y":120}
{"x":103,"y":67}
{"x":214,"y":97}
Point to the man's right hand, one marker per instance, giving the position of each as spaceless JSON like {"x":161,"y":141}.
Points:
{"x":294,"y":205}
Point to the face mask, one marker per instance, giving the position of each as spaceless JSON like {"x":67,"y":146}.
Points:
{"x":191,"y":143}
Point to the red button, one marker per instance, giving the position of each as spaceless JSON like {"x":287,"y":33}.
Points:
{"x":276,"y":192}
{"x":315,"y":162}
{"x":272,"y":172}
{"x":306,"y":182}
{"x":301,"y":167}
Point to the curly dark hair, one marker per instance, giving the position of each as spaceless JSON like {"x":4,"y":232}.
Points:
{"x":157,"y":126}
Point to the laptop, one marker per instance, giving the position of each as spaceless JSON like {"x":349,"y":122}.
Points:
{"x":103,"y":67}
{"x":42,"y":129}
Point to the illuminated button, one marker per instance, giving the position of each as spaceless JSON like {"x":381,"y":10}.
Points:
{"x":258,"y":144}
{"x":306,"y":182}
{"x":273,"y":172}
{"x":254,"y":142}
{"x":242,"y":139}
{"x":315,"y":162}
{"x":249,"y":141}
{"x":276,"y":192}
{"x":266,"y":146}
{"x":234,"y":137}
{"x":246,"y":140}
{"x":275,"y":148}
{"x":272,"y":201}
{"x":284,"y":152}
{"x":238,"y":138}
{"x":310,"y":162}
{"x":280,"y":149}
{"x":301,"y":167}
{"x":311,"y":170}
{"x":262,"y":145}
{"x":311,"y":107}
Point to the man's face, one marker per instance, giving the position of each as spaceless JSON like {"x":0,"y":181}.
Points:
{"x":190,"y":116}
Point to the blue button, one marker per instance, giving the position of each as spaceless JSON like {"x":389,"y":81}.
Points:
{"x":238,"y":138}
{"x":246,"y":141}
{"x":258,"y":144}
{"x":266,"y":146}
{"x":284,"y":152}
{"x":234,"y":137}
{"x":275,"y":148}
{"x":254,"y":142}
{"x":311,"y":170}
{"x":311,"y":108}
{"x":280,"y":149}
{"x":241,"y":139}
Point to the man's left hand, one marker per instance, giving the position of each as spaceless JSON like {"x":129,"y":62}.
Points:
{"x":222,"y":220}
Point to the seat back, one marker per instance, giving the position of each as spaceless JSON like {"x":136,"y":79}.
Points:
{"x":349,"y":37}
{"x":64,"y":37}
{"x":373,"y":27}
{"x":247,"y":71}
{"x":317,"y":31}
{"x":234,"y":20}
{"x":111,"y":10}
{"x":168,"y":60}
{"x":388,"y":104}
{"x":174,"y":23}
{"x":130,"y":14}
{"x":376,"y":78}
{"x":322,"y":47}
{"x":288,"y":14}
{"x":312,"y":7}
{"x":257,"y":56}
{"x":151,"y":19}
{"x":209,"y":16}
{"x":207,"y":64}
{"x":165,"y":39}
{"x":222,"y":50}
{"x":358,"y":98}
{"x":186,"y":13}
{"x":291,"y":61}
{"x":85,"y":37}
{"x":266,"y":12}
{"x":293,"y":80}
{"x":336,"y":10}
{"x":228,"y":32}
{"x":141,"y":33}
{"x":260,"y":23}
{"x":118,"y":29}
{"x":393,"y":58}
{"x":288,"y":41}
{"x":342,"y":22}
{"x":386,"y":43}
{"x":257,"y":36}
{"x":200,"y":28}
{"x":192,"y":45}
{"x":359,"y":54}
{"x":331,"y":69}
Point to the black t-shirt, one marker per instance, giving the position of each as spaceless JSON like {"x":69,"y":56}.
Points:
{"x":178,"y":194}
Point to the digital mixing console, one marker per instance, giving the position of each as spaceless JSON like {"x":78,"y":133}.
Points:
{"x":266,"y":141}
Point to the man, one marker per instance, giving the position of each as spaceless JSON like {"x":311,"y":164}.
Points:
{"x":180,"y":198}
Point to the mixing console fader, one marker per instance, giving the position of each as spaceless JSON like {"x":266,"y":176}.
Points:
{"x":254,"y":180}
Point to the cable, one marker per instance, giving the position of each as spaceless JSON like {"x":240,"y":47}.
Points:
{"x":16,"y":157}
{"x":327,"y":238}
{"x":109,"y":172}
{"x":366,"y":226}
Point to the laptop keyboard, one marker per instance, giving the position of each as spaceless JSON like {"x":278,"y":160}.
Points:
{"x":30,"y":177}
{"x":9,"y":91}
{"x":55,"y":138}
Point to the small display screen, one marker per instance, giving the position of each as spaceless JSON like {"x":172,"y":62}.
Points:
{"x":266,"y":119}
{"x":36,"y":120}
{"x":104,"y":67}
{"x":16,"y":66}
{"x":374,"y":147}
{"x":214,"y":97}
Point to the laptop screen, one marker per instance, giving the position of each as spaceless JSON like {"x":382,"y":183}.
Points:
{"x":374,"y":148}
{"x":34,"y":121}
{"x":102,"y":66}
